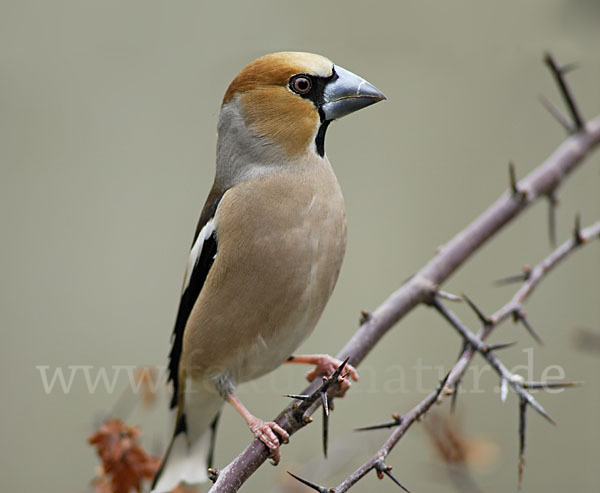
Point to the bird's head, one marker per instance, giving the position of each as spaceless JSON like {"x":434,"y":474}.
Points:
{"x":285,"y":101}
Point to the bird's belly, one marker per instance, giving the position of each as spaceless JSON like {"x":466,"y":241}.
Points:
{"x":288,"y":300}
{"x":269,"y":352}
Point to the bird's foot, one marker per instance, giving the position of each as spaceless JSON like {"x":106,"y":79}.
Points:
{"x":266,"y":431}
{"x":325,"y":364}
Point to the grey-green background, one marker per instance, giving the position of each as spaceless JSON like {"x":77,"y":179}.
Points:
{"x":108,"y":112}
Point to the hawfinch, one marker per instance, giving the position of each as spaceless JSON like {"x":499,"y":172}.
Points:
{"x":267,"y":250}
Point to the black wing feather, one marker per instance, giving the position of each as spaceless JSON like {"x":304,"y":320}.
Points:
{"x":188,"y":299}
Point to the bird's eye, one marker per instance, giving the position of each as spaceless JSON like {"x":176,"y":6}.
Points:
{"x":301,"y":84}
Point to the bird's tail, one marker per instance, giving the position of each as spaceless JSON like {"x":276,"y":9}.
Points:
{"x":189,"y":454}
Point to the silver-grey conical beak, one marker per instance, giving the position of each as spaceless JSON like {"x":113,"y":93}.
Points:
{"x":348,"y":93}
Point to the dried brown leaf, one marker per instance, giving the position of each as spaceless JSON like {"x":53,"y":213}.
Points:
{"x":125,"y":464}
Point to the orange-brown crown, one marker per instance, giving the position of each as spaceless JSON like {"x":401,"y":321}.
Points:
{"x":275,"y":70}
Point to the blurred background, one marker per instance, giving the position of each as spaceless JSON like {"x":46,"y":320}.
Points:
{"x":108,"y":113}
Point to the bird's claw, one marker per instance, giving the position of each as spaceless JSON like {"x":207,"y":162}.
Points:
{"x":326,"y":365}
{"x":266,"y":432}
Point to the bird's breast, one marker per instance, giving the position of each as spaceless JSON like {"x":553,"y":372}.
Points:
{"x":283,"y":240}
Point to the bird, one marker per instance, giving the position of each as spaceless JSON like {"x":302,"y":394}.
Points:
{"x":266,"y":253}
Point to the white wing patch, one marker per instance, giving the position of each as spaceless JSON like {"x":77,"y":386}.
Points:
{"x":204,"y":234}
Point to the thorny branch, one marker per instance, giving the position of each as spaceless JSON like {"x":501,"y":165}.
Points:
{"x":475,"y":344}
{"x":542,"y":182}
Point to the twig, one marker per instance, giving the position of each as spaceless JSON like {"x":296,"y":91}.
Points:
{"x":541,"y":182}
{"x":454,"y":377}
{"x":407,"y":420}
{"x":505,"y":374}
{"x":541,"y":270}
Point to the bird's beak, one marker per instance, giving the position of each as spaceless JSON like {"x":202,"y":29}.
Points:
{"x":347,"y":94}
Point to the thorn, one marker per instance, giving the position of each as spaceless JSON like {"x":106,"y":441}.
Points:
{"x":309,"y":400}
{"x":382,"y":469}
{"x":524,"y":276}
{"x":502,"y":345}
{"x":559,"y":73}
{"x":336,"y":374}
{"x":557,"y":114}
{"x":577,"y":237}
{"x":213,"y":474}
{"x":522,"y":424}
{"x":300,"y":397}
{"x":550,"y":385}
{"x":397,"y":420}
{"x":365,"y":317}
{"x":325,"y":422}
{"x":513,"y":178}
{"x":519,"y":316}
{"x":314,"y":486}
{"x":484,"y":320}
{"x":535,"y":404}
{"x":514,"y":187}
{"x":552,"y":204}
{"x":448,"y":296}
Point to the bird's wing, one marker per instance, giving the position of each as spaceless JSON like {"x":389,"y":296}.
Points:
{"x":201,"y":259}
